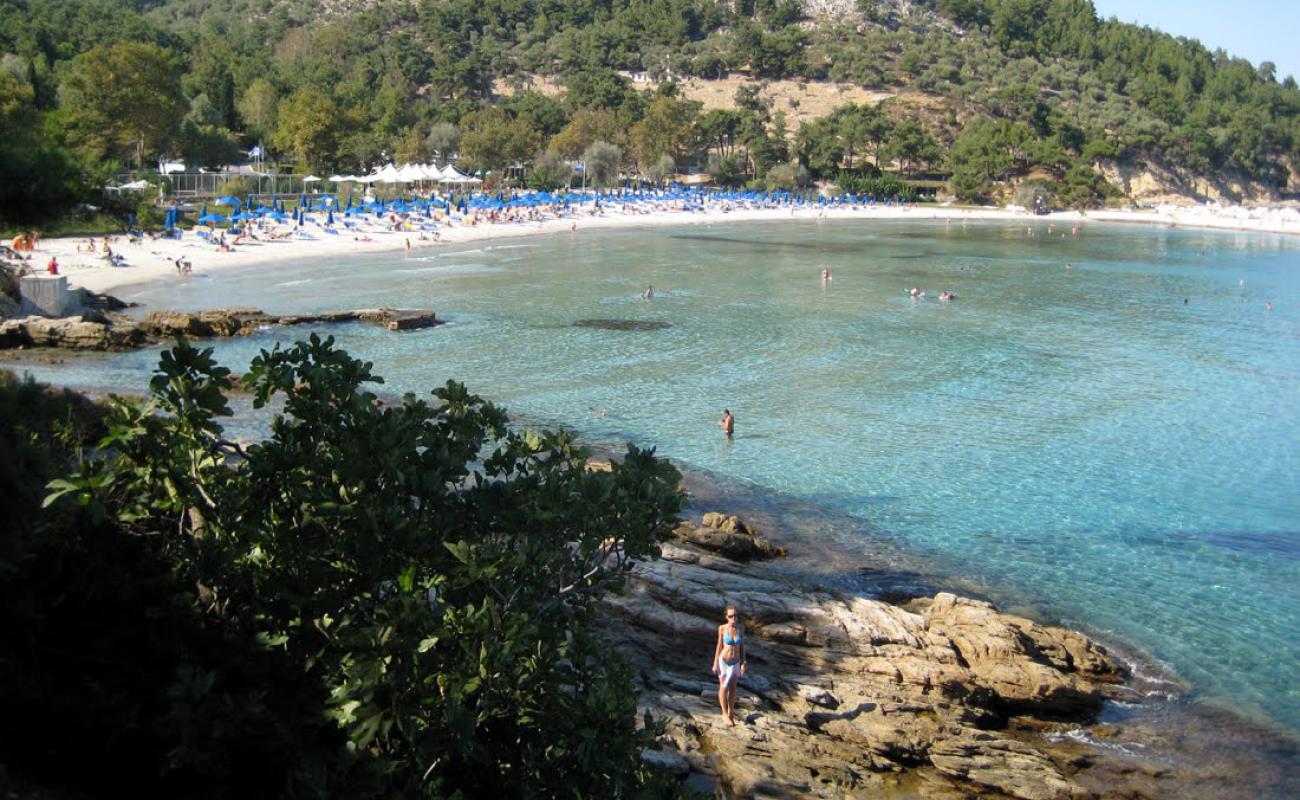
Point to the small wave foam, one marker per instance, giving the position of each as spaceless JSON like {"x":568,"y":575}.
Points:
{"x":451,"y":269}
{"x":295,"y":283}
{"x":1083,"y":737}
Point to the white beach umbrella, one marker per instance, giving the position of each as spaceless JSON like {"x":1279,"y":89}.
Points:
{"x":388,"y":174}
{"x":311,"y":179}
{"x":410,"y":172}
{"x":452,"y":175}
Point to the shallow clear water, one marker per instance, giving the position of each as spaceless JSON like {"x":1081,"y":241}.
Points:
{"x":1076,"y":437}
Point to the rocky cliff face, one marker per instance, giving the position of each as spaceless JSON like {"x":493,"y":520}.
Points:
{"x":1152,"y":183}
{"x":852,"y":697}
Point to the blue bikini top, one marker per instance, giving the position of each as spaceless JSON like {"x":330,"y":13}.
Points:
{"x":740,"y":637}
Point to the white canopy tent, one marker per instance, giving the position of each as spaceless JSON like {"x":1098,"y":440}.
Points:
{"x":453,"y":175}
{"x":410,"y":173}
{"x":388,"y":174}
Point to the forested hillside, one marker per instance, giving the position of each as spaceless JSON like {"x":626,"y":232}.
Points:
{"x":989,"y":93}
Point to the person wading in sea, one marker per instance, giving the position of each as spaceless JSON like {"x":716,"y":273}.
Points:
{"x":727,"y":423}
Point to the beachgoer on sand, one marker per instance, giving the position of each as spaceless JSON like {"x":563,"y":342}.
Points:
{"x":53,"y":266}
{"x":727,"y":423}
{"x":729,"y":663}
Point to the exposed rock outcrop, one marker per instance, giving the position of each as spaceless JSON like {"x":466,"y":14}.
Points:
{"x":1151,"y":182}
{"x":847,"y":696}
{"x":728,"y":536}
{"x":72,"y":333}
{"x":104,"y":330}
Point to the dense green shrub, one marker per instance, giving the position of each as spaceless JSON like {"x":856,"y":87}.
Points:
{"x":347,"y":92}
{"x":864,"y":183}
{"x":377,"y":600}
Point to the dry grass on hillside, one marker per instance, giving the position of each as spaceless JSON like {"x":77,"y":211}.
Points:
{"x":800,"y":100}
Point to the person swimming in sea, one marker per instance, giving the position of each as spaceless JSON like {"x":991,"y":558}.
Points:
{"x":729,"y":663}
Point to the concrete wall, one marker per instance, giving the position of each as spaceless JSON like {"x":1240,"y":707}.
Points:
{"x":46,"y":295}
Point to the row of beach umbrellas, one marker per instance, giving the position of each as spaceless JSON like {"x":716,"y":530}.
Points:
{"x":246,"y":210}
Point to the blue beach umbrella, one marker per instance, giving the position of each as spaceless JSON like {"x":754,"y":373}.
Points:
{"x":228,"y":201}
{"x":209,"y":219}
{"x":329,"y":217}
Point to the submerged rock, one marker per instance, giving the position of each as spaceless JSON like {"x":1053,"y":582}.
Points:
{"x":845,"y":696}
{"x":623,"y":324}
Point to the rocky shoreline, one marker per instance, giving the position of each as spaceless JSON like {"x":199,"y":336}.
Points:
{"x":106,"y":329}
{"x":933,"y":697}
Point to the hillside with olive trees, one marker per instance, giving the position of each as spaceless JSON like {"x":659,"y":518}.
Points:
{"x":982,"y":97}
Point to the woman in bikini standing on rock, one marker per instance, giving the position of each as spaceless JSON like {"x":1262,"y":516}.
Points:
{"x":729,"y":663}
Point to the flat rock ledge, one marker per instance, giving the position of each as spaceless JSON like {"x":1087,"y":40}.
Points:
{"x":943,"y":697}
{"x":100,"y":330}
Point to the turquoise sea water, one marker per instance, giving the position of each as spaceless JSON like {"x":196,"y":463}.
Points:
{"x":1069,"y":432}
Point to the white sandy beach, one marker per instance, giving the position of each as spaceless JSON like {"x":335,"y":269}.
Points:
{"x":151,"y":260}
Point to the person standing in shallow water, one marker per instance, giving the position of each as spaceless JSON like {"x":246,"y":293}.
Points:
{"x":727,"y":423}
{"x":729,"y":663}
